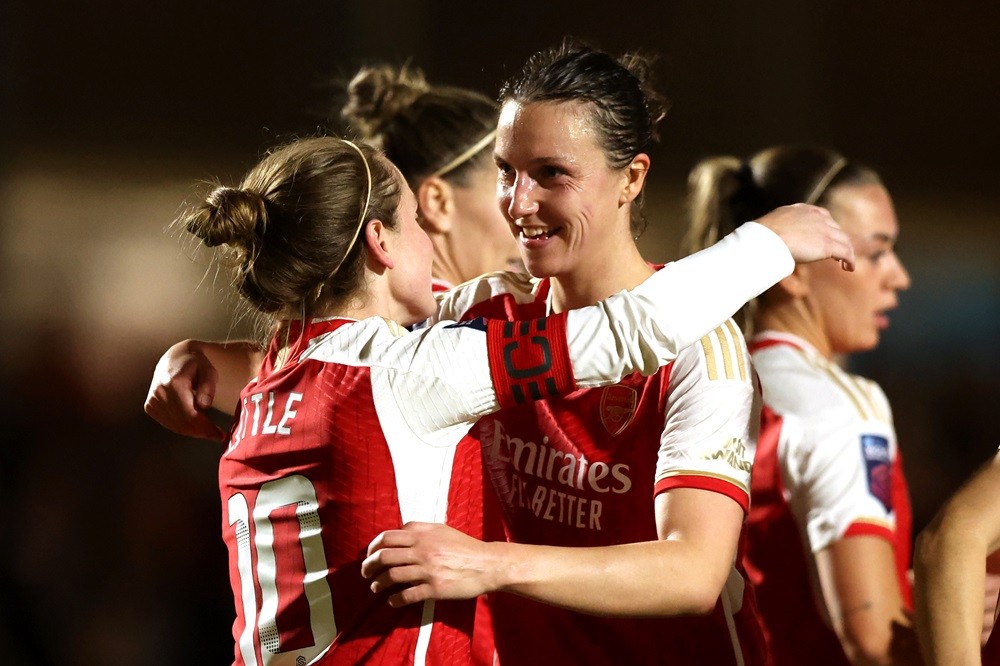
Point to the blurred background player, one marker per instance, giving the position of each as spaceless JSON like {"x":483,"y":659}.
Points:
{"x":441,"y":138}
{"x":828,"y":473}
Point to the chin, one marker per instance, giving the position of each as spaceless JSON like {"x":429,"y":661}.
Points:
{"x":541,"y":268}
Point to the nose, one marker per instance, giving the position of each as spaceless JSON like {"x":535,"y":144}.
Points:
{"x":899,"y":276}
{"x":522,"y":202}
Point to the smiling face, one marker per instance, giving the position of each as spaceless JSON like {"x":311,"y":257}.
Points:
{"x":852,"y":308}
{"x":562,"y":201}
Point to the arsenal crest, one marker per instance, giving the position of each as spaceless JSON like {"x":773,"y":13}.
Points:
{"x":617,"y":408}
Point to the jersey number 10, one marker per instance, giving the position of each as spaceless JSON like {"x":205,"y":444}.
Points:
{"x":291,"y":631}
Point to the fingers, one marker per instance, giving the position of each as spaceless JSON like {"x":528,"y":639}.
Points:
{"x":183,"y":386}
{"x":207,"y":380}
{"x":411,"y":595}
{"x":384,"y":558}
{"x":401,"y":538}
{"x":399,"y":575}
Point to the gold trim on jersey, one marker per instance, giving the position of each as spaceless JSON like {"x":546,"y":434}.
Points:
{"x":740,"y":352}
{"x":875,"y":522}
{"x":706,"y":345}
{"x":852,"y":386}
{"x":729,"y":342}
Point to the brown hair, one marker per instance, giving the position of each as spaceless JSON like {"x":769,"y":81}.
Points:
{"x":625,"y":107}
{"x":420,"y":128}
{"x":724,"y":192}
{"x":287,"y":229}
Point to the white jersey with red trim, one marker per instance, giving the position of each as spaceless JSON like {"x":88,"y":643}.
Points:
{"x":355,"y":427}
{"x":827,"y":467}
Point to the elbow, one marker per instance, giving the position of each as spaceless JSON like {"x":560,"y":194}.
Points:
{"x":702,"y":599}
{"x":702,"y":605}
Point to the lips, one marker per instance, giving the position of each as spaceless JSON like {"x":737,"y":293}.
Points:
{"x":533,"y":236}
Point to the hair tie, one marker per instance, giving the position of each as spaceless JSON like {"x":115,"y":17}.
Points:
{"x":461,"y":159}
{"x":825,"y":181}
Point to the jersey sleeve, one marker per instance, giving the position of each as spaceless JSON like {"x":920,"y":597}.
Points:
{"x":838,"y":473}
{"x":712,"y":419}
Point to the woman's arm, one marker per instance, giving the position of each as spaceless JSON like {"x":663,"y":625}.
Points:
{"x":683,"y":573}
{"x":701,"y":446}
{"x":858,"y":579}
{"x":193,"y":376}
{"x":950,"y":570}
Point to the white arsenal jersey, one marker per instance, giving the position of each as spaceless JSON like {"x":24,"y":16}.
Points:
{"x":828,"y":467}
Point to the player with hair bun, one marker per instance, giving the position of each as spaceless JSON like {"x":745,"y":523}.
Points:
{"x":352,"y":423}
{"x":441,"y":138}
{"x":658,"y":483}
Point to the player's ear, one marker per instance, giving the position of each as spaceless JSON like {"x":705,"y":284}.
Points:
{"x":378,"y":241}
{"x":795,"y":285}
{"x":435,"y":205}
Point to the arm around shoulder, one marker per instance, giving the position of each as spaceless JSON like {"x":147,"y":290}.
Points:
{"x":193,"y":376}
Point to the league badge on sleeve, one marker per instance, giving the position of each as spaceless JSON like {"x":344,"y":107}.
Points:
{"x":878,"y":465}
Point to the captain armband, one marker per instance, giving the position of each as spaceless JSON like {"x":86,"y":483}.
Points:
{"x":529,"y":360}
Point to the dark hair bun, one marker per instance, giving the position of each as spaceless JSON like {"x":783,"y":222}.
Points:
{"x":229,"y":216}
{"x":376,"y":95}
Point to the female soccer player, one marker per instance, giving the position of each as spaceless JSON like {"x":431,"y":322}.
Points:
{"x":648,"y":480}
{"x":571,"y":150}
{"x":441,"y":138}
{"x":829,"y":543}
{"x":351,"y":425}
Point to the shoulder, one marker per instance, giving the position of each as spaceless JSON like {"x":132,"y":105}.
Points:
{"x":518,"y":287}
{"x":798,"y":382}
{"x":354,"y":341}
{"x":720,"y":356}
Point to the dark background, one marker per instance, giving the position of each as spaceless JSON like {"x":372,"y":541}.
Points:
{"x":111,"y":113}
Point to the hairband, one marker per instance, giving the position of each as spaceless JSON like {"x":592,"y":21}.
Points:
{"x":479,"y":145}
{"x":825,"y":181}
{"x":364,"y":211}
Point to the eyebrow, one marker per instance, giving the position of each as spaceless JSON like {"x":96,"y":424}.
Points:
{"x":544,"y":159}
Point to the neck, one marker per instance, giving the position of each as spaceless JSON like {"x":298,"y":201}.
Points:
{"x":794,"y":316}
{"x":598,"y":279}
{"x":445,"y":266}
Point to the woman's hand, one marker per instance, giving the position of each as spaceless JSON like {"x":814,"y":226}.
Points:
{"x":433,"y":561}
{"x":811,"y":234}
{"x":182,"y":390}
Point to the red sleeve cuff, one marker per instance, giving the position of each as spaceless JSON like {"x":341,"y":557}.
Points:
{"x":861,"y":528}
{"x":712,"y":483}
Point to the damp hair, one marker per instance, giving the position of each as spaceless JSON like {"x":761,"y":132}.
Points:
{"x":625,"y":107}
{"x":726,"y":191}
{"x":286,"y":230}
{"x":420,"y":127}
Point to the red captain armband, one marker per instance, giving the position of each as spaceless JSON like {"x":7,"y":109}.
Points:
{"x":529,"y":360}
